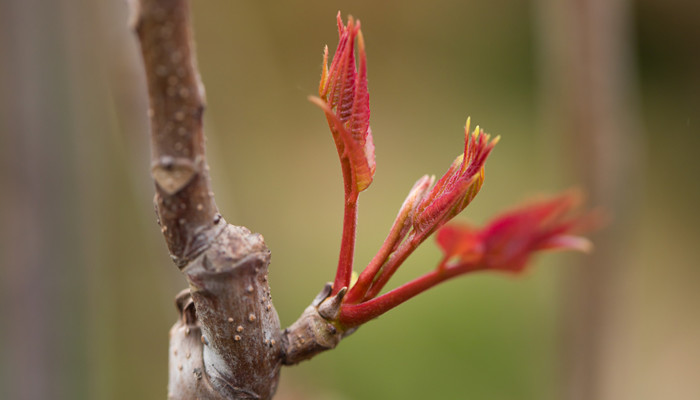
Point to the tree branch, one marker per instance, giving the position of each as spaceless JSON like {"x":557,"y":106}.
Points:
{"x":230,"y":347}
{"x":184,"y":201}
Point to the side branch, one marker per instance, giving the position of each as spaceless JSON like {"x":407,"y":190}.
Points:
{"x":184,"y":201}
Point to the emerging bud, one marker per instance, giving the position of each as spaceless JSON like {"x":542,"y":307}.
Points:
{"x":460,"y":184}
{"x":425,"y":210}
{"x":406,"y":214}
{"x":345,"y":100}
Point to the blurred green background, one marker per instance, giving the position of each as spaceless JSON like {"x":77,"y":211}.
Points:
{"x":86,"y":283}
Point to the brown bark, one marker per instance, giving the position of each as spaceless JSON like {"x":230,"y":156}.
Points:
{"x":227,"y":343}
{"x":229,"y":347}
{"x":184,"y":201}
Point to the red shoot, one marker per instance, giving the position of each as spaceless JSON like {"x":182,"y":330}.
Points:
{"x":429,"y":211}
{"x":458,"y":187}
{"x":345,"y":100}
{"x":506,"y":244}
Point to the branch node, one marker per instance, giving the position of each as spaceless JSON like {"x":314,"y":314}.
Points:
{"x":314,"y":332}
{"x":173,"y":174}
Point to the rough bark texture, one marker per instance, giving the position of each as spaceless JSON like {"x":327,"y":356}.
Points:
{"x":227,"y":343}
{"x":241,"y":330}
{"x":184,"y":202}
{"x":230,"y":344}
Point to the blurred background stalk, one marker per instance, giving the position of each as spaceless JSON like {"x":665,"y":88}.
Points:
{"x":589,"y":85}
{"x":28,"y":160}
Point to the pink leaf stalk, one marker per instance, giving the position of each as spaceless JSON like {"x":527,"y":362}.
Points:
{"x":345,"y":100}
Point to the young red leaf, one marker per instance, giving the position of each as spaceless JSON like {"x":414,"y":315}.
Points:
{"x":345,"y":100}
{"x":508,"y":242}
{"x":458,"y":187}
